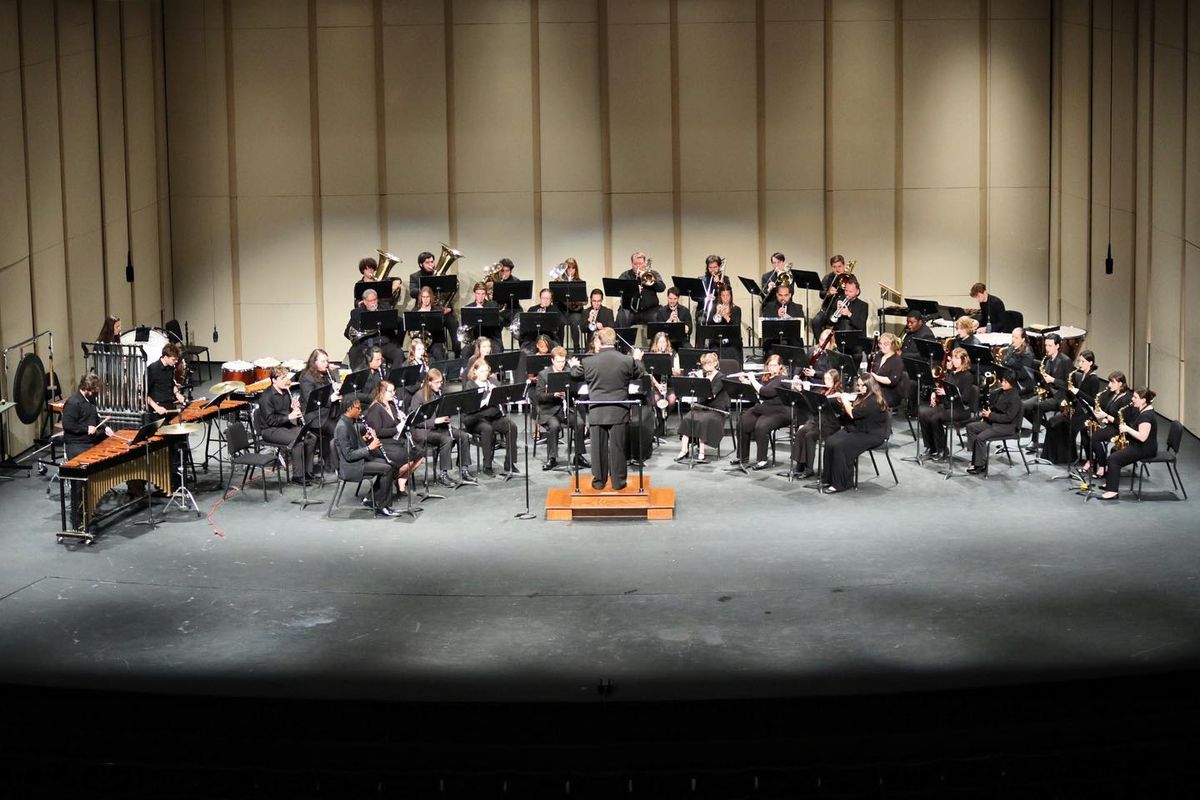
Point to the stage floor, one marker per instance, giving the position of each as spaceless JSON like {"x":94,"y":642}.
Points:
{"x":758,"y":588}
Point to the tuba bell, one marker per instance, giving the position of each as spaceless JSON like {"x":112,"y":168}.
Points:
{"x":445,"y":260}
{"x":386,"y":262}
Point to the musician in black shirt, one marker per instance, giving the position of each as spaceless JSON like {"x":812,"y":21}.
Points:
{"x":162,"y":395}
{"x":1052,"y":380}
{"x":81,"y":419}
{"x":427,"y":263}
{"x":770,"y":414}
{"x":1002,"y":417}
{"x":992,"y":316}
{"x":780,"y":306}
{"x":279,"y":420}
{"x":915,"y":329}
{"x":643,"y":306}
{"x":1140,"y":430}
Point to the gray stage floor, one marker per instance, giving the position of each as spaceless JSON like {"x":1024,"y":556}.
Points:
{"x":758,"y":588}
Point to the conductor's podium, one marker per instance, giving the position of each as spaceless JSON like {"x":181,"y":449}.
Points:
{"x":629,"y":503}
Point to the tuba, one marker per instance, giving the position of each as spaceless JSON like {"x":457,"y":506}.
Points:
{"x":445,"y":260}
{"x":386,"y":262}
{"x":557,"y":273}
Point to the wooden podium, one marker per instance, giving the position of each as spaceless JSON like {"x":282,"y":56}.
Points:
{"x":629,"y":503}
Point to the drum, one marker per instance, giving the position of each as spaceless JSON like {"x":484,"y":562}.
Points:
{"x":293,"y":365}
{"x":263,"y":367}
{"x":156,"y":339}
{"x":1072,"y":341}
{"x":237,"y":371}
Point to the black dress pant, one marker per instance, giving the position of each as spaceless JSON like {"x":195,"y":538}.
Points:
{"x":1100,"y":442}
{"x":443,"y":438}
{"x":1036,"y":411}
{"x":486,"y":430}
{"x":979,"y":433}
{"x":608,"y":454}
{"x":933,"y":421}
{"x":554,"y":425}
{"x":302,"y":450}
{"x":841,"y":454}
{"x":1117,"y":460}
{"x":757,"y":423}
{"x":385,"y":477}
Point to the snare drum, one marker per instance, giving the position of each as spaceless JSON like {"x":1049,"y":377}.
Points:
{"x":237,"y":371}
{"x":263,"y":367}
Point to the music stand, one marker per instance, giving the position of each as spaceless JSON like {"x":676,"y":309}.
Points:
{"x":689,"y":358}
{"x":481,"y":319}
{"x":500,"y":397}
{"x":442,"y":285}
{"x":565,"y":292}
{"x":843,"y":363}
{"x":626,"y":338}
{"x":809,"y":281}
{"x":794,"y":358}
{"x":143,"y":436}
{"x":727,"y":337}
{"x":980,"y":353}
{"x":927,"y":308}
{"x":424,"y":413}
{"x":408,"y":376}
{"x":381,"y":321}
{"x":624,"y":288}
{"x":535,"y":323}
{"x":852,"y":342}
{"x":382,"y":288}
{"x":561,"y":382}
{"x":952,"y":397}
{"x":691,"y":288}
{"x":675,"y":331}
{"x":754,"y":290}
{"x":506,"y":362}
{"x":319,"y":401}
{"x":509,"y":294}
{"x":456,"y":404}
{"x":696,"y":392}
{"x":451,"y":368}
{"x":425,"y":323}
{"x":816,"y":403}
{"x":743,"y":394}
{"x":353,"y":382}
{"x":786,"y":332}
{"x":920,"y":372}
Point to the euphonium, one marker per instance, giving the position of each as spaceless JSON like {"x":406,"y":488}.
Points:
{"x":489,"y":277}
{"x":559,"y":270}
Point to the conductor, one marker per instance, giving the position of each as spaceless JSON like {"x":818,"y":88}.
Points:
{"x":608,"y":374}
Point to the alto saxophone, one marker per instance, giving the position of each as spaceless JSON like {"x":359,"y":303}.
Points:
{"x":1042,"y":391}
{"x":1121,"y":440}
{"x":1066,"y":406}
{"x":1091,"y":423}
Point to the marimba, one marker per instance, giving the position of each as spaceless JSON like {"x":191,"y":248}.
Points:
{"x":107,"y":465}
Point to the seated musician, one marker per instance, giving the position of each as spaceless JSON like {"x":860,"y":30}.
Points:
{"x":384,"y":418}
{"x":552,"y":414}
{"x":1052,"y":389}
{"x":1083,"y":385}
{"x":867,"y":425}
{"x":1111,"y":401}
{"x":889,"y":372}
{"x":572,"y":312}
{"x":674,"y":312}
{"x":1019,"y":358}
{"x":643,"y":306}
{"x":323,"y":420}
{"x":705,"y":422}
{"x":664,"y":396}
{"x":554,"y":334}
{"x":813,"y":429}
{"x":426,"y":303}
{"x":362,"y":340}
{"x":819,"y":361}
{"x":935,"y":417}
{"x":964,"y":331}
{"x":356,"y":456}
{"x":1001,"y":417}
{"x":162,"y":394}
{"x":489,"y":421}
{"x":597,"y":315}
{"x":426,"y":264}
{"x":770,"y":414}
{"x":1140,"y":432}
{"x":476,"y":335}
{"x":849,"y":313}
{"x":110,"y":331}
{"x":279,"y":420}
{"x":437,"y":432}
{"x":992,"y":316}
{"x":770,"y":279}
{"x":506,"y":276}
{"x":781,"y":305}
{"x":725,"y":312}
{"x":82,"y":431}
{"x":914,"y":330}
{"x":416,"y":357}
{"x":376,"y":371}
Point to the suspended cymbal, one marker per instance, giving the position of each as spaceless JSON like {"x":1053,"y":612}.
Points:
{"x":180,"y":429}
{"x":225,"y":387}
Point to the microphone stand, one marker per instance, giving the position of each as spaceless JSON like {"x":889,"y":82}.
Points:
{"x":526,"y":514}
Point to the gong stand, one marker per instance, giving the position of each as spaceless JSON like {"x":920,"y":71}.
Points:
{"x":28,"y":394}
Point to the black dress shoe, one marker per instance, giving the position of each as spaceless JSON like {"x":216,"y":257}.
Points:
{"x":598,"y":485}
{"x":386,"y":512}
{"x":736,"y":462}
{"x":302,"y":481}
{"x":1031,"y":450}
{"x":549,"y":465}
{"x":974,"y":470}
{"x":618,"y":487}
{"x":761,"y":465}
{"x":582,"y":462}
{"x":491,"y":473}
{"x":444,"y":478}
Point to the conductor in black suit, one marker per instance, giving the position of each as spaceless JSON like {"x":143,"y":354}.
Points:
{"x":608,"y":374}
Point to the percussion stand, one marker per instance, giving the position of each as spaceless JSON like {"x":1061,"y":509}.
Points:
{"x":181,"y":494}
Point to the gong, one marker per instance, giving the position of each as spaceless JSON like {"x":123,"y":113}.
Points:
{"x":29,"y":388}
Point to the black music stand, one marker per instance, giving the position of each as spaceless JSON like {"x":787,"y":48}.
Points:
{"x":794,"y":358}
{"x":456,"y":404}
{"x":536,"y":323}
{"x":754,"y":290}
{"x":142,"y":436}
{"x":319,"y":402}
{"x":921,"y":373}
{"x":980,"y":353}
{"x":426,"y":323}
{"x":794,"y":400}
{"x":303,"y":502}
{"x":781,"y":332}
{"x":485,"y":321}
{"x":500,"y":397}
{"x":354,"y":382}
{"x":691,"y":288}
{"x":508,"y":294}
{"x":382,"y":321}
{"x":743,"y":395}
{"x":816,"y":403}
{"x":442,"y":286}
{"x":809,"y":281}
{"x":424,"y":413}
{"x":696,"y":392}
{"x":626,"y":339}
{"x":953,"y":398}
{"x":676,"y":334}
{"x":561,"y":382}
{"x":624,"y":288}
{"x":853,"y":343}
{"x":408,"y":376}
{"x":843,"y":363}
{"x":659,"y":366}
{"x":382,"y":288}
{"x":689,"y":358}
{"x":508,"y":362}
{"x":727,"y":338}
{"x":565,"y":293}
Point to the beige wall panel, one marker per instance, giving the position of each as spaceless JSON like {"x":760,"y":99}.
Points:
{"x":203,"y":272}
{"x":81,"y":163}
{"x":196,"y":113}
{"x":349,"y":231}
{"x":270,"y":14}
{"x":9,"y":49}
{"x":725,"y":223}
{"x":271,"y":92}
{"x":137,"y":18}
{"x":48,"y":268}
{"x":16,"y":307}
{"x":1169,"y":29}
{"x":493,"y":226}
{"x":283,"y":331}
{"x":14,"y":226}
{"x":414,"y":12}
{"x":184,"y":15}
{"x":573,"y":225}
{"x":794,"y":105}
{"x":1164,"y":292}
{"x":474,"y":12}
{"x":567,"y":11}
{"x":112,"y":122}
{"x":1073,"y":267}
{"x":418,"y":222}
{"x":715,"y":11}
{"x":939,"y":10}
{"x":570,"y":107}
{"x":120,"y":294}
{"x":1019,"y":103}
{"x":644,"y":222}
{"x":638,"y":11}
{"x":1019,"y":9}
{"x":147,"y":285}
{"x":1191,"y":222}
{"x":45,"y":189}
{"x":718,"y":140}
{"x":344,"y":13}
{"x":862,"y":227}
{"x":863,"y":10}
{"x":862,"y":147}
{"x":1109,"y":325}
{"x":37,"y":32}
{"x":793,"y":10}
{"x":493,"y":108}
{"x":941,"y":242}
{"x":1166,"y":203}
{"x":795,"y":226}
{"x":941,"y":104}
{"x":1018,"y":237}
{"x":346,"y":92}
{"x":74,"y":27}
{"x":1125,"y":121}
{"x":87,"y":285}
{"x":1075,"y":133}
{"x":139,"y":108}
{"x":1191,"y":341}
{"x":275,"y":238}
{"x":414,"y":81}
{"x":1075,"y":12}
{"x":640,"y":108}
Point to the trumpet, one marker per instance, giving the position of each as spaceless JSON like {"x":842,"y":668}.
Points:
{"x":595,"y":312}
{"x":723,"y":311}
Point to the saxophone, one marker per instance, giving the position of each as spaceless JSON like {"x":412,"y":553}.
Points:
{"x":1121,"y":440}
{"x":1066,"y":406}
{"x":1091,"y":423}
{"x":1042,"y":390}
